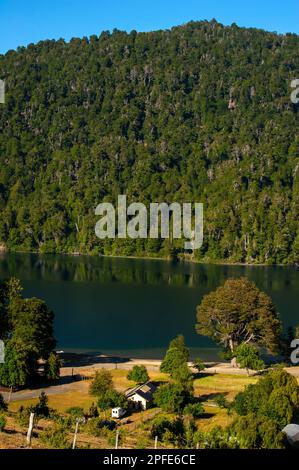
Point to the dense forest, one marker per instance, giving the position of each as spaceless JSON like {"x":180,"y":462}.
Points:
{"x":198,"y":113}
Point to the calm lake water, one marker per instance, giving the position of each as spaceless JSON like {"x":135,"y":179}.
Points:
{"x":135,"y":307}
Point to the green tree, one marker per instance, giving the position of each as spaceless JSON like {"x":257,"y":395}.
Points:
{"x":171,"y":397}
{"x":248,"y":357}
{"x":52,"y":366}
{"x":101,"y":383}
{"x":238,"y":312}
{"x":112,"y":398}
{"x":17,"y":369}
{"x":3,"y":404}
{"x":276,"y":396}
{"x":3,"y":422}
{"x":257,"y":432}
{"x":198,"y":364}
{"x":176,"y":356}
{"x":138,"y":374}
{"x":194,"y":409}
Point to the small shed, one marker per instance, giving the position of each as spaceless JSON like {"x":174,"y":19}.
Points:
{"x":118,"y":412}
{"x":292,"y":433}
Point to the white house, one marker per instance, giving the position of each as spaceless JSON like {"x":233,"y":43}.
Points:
{"x":141,"y":396}
{"x":292,"y":433}
{"x":118,"y":412}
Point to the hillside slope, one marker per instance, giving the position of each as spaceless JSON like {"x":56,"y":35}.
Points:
{"x":201,"y":113}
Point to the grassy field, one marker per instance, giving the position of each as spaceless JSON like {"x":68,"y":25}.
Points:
{"x":134,"y":429}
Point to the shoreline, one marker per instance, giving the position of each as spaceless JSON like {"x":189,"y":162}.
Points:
{"x":153,"y":258}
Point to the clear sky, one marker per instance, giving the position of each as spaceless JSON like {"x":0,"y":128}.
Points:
{"x":26,"y":21}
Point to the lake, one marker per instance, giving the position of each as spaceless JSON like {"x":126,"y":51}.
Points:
{"x":135,"y":307}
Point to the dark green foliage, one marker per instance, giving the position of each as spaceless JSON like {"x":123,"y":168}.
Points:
{"x":176,"y":356}
{"x":171,"y":397}
{"x":2,"y":422}
{"x":99,"y":427}
{"x":194,"y":409}
{"x":239,"y":312}
{"x":257,"y":432}
{"x":27,"y":330}
{"x":275,"y":396}
{"x":138,"y":374}
{"x":52,"y":367}
{"x":248,"y":357}
{"x":3,"y":404}
{"x":101,"y":383}
{"x":93,"y":411}
{"x":17,"y":369}
{"x":42,"y":409}
{"x":198,"y":364}
{"x":221,"y":401}
{"x":201,"y":112}
{"x":112,"y":398}
{"x":168,"y":430}
{"x":55,"y":437}
{"x":75,"y":412}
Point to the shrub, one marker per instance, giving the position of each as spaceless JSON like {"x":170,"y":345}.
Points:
{"x":23,"y":415}
{"x":3,"y":404}
{"x":2,"y":423}
{"x":101,"y":383}
{"x":93,"y":411}
{"x":276,"y":396}
{"x":248,"y":357}
{"x":75,"y":412}
{"x":171,"y":397}
{"x":55,"y":437}
{"x":194,"y":409}
{"x":42,"y":409}
{"x":98,"y":427}
{"x":198,"y":364}
{"x":138,"y":374}
{"x":166,"y":429}
{"x":111,"y":399}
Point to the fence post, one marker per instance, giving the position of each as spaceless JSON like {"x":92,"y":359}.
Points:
{"x":75,"y":435}
{"x":116,"y":439}
{"x":30,"y":428}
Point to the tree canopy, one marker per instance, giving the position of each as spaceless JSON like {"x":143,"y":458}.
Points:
{"x":200,"y":112}
{"x":238,"y":312}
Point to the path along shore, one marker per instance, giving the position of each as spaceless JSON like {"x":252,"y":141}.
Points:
{"x":78,"y":367}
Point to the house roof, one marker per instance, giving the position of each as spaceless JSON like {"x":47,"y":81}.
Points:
{"x":145,"y":390}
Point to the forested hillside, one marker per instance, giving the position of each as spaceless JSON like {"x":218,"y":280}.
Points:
{"x":201,"y":112}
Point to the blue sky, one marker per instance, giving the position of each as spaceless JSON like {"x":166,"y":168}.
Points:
{"x":26,"y":21}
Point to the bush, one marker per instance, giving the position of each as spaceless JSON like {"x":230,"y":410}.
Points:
{"x":111,"y":399}
{"x":221,"y":401}
{"x":168,"y":431}
{"x":194,"y":409}
{"x":171,"y":397}
{"x":248,"y":357}
{"x":93,"y":411}
{"x":98,"y":427}
{"x":198,"y":364}
{"x":275,"y":396}
{"x":253,"y":432}
{"x":138,"y":374}
{"x":75,"y":412}
{"x":101,"y":383}
{"x":3,"y":404}
{"x":23,"y":415}
{"x":55,"y":437}
{"x":2,"y":423}
{"x":41,"y":409}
